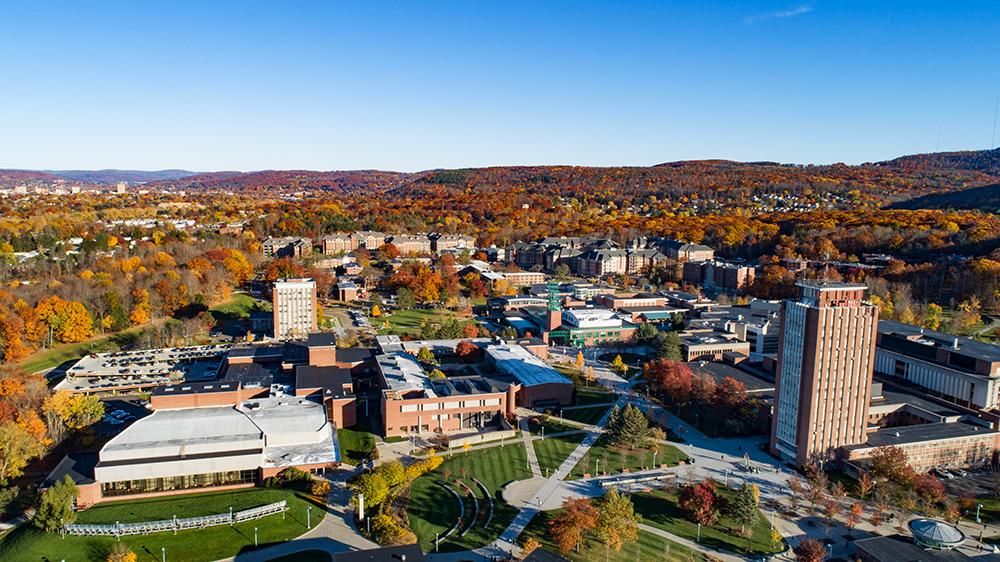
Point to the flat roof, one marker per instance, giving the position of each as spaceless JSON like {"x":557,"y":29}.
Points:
{"x":897,"y":548}
{"x":321,"y":339}
{"x":931,"y":338}
{"x":719,"y":371}
{"x":923,"y":432}
{"x":524,"y":366}
{"x":331,"y":379}
{"x":401,"y":372}
{"x":196,"y":388}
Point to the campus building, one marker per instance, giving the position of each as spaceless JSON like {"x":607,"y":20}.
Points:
{"x":295,"y":307}
{"x":413,"y":402}
{"x":286,"y":247}
{"x":960,"y":370}
{"x":177,"y":450}
{"x":825,"y":355}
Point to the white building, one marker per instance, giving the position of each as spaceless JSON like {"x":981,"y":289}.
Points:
{"x":294,"y":308}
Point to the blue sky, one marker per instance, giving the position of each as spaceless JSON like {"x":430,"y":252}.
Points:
{"x":423,"y":84}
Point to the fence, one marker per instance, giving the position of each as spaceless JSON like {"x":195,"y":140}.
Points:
{"x":175,"y":524}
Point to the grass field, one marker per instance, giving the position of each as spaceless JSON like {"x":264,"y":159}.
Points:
{"x":553,"y":451}
{"x":551,"y":425}
{"x":648,"y":547}
{"x":614,"y":459}
{"x":355,"y":446}
{"x":590,"y":415}
{"x":586,"y":396}
{"x":407,"y":322}
{"x":240,"y":306}
{"x":659,"y":509}
{"x":432,"y":509}
{"x":29,"y":544}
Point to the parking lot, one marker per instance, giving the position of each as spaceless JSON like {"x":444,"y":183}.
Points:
{"x":119,"y":414}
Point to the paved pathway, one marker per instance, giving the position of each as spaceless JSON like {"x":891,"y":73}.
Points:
{"x":335,"y":533}
{"x":529,"y":449}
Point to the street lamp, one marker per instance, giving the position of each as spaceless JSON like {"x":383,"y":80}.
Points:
{"x":698,"y":538}
{"x":255,"y":536}
{"x":978,"y":507}
{"x":163,"y":553}
{"x":309,"y":510}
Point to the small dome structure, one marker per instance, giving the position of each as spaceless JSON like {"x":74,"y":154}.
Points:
{"x":931,"y":533}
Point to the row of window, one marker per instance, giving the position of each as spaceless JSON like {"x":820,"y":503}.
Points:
{"x":186,"y":482}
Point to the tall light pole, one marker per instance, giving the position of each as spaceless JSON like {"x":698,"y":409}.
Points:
{"x":978,"y":507}
{"x":698,"y":538}
{"x":163,"y":553}
{"x":309,"y":511}
{"x":255,"y":536}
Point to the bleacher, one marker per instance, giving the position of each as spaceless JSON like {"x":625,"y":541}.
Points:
{"x":146,"y":527}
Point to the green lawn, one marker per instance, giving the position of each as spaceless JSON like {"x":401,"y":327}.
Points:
{"x":990,"y":513}
{"x":240,"y":306}
{"x":615,"y":459}
{"x":28,"y":543}
{"x":551,"y":425}
{"x":49,"y":358}
{"x":659,"y":509}
{"x":355,"y":446}
{"x":433,"y":509}
{"x":586,"y":396}
{"x":552,"y":451}
{"x":647,"y":547}
{"x":591,"y":415}
{"x":407,"y":322}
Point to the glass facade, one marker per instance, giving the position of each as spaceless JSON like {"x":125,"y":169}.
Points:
{"x":186,"y":482}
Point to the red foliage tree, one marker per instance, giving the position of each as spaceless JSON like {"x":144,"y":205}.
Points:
{"x":673,"y":378}
{"x":698,"y":502}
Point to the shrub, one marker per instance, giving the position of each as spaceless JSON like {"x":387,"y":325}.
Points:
{"x":120,"y":552}
{"x":385,"y":530}
{"x":321,"y":489}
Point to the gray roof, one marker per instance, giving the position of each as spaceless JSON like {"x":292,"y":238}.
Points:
{"x":524,"y":366}
{"x":966,"y":346}
{"x":922,"y":432}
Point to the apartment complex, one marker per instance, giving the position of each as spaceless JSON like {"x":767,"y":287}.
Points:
{"x":343,"y":242}
{"x":960,"y":370}
{"x":286,"y":247}
{"x":825,"y":354}
{"x":719,"y":275}
{"x":409,"y":244}
{"x":295,"y":307}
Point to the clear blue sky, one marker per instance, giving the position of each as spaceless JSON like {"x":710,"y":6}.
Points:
{"x":413,"y":85}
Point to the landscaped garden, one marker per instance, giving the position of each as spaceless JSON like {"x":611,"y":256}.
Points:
{"x":29,"y":543}
{"x":434,"y":509}
{"x":661,"y":509}
{"x":552,"y":451}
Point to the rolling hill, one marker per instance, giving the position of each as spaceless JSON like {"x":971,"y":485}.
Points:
{"x":986,"y":198}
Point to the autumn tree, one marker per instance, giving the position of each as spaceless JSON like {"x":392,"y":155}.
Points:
{"x":617,"y":522}
{"x":569,"y":527}
{"x":890,"y":462}
{"x":810,"y":550}
{"x":17,"y":447}
{"x":120,"y":552}
{"x":673,"y":378}
{"x":697,"y":501}
{"x":65,"y":410}
{"x":68,"y":321}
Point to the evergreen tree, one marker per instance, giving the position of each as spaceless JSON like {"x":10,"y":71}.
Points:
{"x":56,"y":506}
{"x":668,"y":346}
{"x":628,"y":426}
{"x":742,"y":508}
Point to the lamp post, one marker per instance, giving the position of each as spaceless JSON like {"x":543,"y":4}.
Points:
{"x":309,"y":510}
{"x":654,"y":458}
{"x":698,"y":538}
{"x":163,"y":553}
{"x":437,"y":540}
{"x":978,"y":507}
{"x":597,"y":467}
{"x":255,"y":536}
